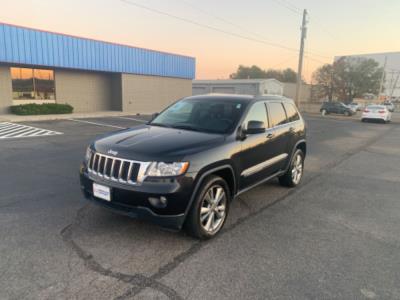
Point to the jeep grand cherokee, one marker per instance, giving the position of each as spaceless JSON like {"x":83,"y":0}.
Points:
{"x":183,"y":168}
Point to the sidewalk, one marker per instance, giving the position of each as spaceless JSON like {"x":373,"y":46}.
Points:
{"x":15,"y":118}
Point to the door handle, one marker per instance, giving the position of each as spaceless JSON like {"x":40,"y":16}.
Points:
{"x":270,"y":135}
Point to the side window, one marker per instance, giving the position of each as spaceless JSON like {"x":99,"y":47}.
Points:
{"x":258,"y":112}
{"x":291,"y":111}
{"x":277,"y":113}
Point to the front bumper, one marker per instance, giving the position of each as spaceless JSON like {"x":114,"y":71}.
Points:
{"x":133,"y":201}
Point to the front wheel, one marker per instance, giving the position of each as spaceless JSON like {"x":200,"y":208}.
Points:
{"x":208,"y":213}
{"x":294,"y":174}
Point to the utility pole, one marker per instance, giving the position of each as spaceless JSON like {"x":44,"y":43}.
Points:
{"x":301,"y":56}
{"x":394,"y":86}
{"x":382,"y":79}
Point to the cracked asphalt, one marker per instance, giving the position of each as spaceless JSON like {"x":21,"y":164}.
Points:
{"x":334,"y":237}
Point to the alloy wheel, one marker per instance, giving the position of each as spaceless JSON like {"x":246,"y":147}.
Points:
{"x":213,"y":209}
{"x":297,"y":169}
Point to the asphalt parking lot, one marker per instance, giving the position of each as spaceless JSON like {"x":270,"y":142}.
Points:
{"x":334,"y":237}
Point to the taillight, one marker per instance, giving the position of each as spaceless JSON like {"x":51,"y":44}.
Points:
{"x":366,"y":110}
{"x":382,"y":111}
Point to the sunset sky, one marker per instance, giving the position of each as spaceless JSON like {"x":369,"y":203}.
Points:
{"x":335,"y":28}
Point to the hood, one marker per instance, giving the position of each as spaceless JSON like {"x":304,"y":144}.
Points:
{"x":153,"y":143}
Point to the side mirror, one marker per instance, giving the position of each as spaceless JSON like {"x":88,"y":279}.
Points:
{"x":254,"y":127}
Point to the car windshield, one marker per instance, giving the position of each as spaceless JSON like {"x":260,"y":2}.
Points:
{"x":205,"y":115}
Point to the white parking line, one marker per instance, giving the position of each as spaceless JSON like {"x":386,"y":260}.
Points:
{"x":98,"y":124}
{"x":133,"y":119}
{"x":11,"y":130}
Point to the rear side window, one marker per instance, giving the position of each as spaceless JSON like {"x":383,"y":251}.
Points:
{"x":277,"y":113}
{"x":291,"y":111}
{"x":258,"y":112}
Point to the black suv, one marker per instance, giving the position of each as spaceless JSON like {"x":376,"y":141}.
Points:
{"x":336,"y":108}
{"x":185,"y":166}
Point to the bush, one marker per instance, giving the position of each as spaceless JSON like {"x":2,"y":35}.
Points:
{"x":41,"y":109}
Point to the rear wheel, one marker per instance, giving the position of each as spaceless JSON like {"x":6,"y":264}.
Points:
{"x":208,"y":213}
{"x":294,"y":174}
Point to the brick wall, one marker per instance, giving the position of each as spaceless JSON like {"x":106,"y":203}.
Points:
{"x":5,"y":89}
{"x":85,"y":91}
{"x":150,"y":94}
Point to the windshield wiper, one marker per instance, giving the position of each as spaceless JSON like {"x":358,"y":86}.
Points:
{"x":160,"y":125}
{"x":187,"y":127}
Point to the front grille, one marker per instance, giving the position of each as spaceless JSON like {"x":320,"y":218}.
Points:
{"x":117,"y":169}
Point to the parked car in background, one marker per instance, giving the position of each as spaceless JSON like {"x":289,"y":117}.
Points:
{"x":336,"y":108}
{"x":376,"y":113}
{"x":389,"y":105}
{"x":355,"y":106}
{"x":185,"y":166}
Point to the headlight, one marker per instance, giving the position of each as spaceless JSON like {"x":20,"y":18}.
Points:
{"x":88,"y":154}
{"x":161,"y":169}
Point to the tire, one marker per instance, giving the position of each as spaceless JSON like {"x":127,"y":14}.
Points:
{"x":197,"y":223}
{"x":292,"y":178}
{"x":363,"y":120}
{"x":324,"y":112}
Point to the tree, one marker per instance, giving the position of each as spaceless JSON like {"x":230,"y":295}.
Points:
{"x":255,"y":72}
{"x":348,"y":78}
{"x":289,"y":75}
{"x":324,"y":82}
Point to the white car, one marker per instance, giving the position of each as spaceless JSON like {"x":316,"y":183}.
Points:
{"x":377,"y":113}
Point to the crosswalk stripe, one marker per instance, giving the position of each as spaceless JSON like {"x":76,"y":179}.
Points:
{"x":6,"y":127}
{"x":11,"y":130}
{"x":14,"y":134}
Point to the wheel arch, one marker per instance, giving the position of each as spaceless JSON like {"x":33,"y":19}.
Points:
{"x":300,"y":144}
{"x":224,"y":171}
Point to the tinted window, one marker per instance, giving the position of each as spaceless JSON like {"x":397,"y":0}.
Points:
{"x":207,"y":115}
{"x":257,"y":112}
{"x":291,"y":111}
{"x":277,"y":113}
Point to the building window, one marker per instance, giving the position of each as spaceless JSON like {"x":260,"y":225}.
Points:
{"x":32,"y":84}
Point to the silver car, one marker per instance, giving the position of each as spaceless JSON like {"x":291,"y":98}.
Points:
{"x":376,"y":113}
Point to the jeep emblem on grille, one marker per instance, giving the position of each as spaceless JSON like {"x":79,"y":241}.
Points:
{"x":112,"y":152}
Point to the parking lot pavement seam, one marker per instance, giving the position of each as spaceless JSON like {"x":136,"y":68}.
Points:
{"x":137,"y":280}
{"x":166,"y":269}
{"x":140,"y":282}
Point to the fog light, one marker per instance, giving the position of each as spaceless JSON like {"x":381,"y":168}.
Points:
{"x":158,"y":202}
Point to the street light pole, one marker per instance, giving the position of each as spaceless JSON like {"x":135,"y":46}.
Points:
{"x":382,"y":79}
{"x":301,"y":56}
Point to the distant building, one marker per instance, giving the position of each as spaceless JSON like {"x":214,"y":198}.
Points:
{"x":392,"y":69}
{"x":255,"y":87}
{"x":38,"y":66}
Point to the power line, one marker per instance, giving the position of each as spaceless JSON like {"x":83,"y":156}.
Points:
{"x":272,"y":44}
{"x":224,"y":20}
{"x":316,"y":60}
{"x":205,"y":12}
{"x":286,"y":4}
{"x":293,"y":8}
{"x":284,"y":62}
